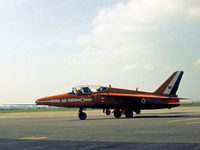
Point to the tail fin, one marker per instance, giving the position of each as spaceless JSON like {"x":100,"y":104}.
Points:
{"x":170,"y":86}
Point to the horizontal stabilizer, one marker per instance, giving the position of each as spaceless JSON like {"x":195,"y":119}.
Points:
{"x":180,"y":103}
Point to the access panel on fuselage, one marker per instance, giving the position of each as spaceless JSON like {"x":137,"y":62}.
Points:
{"x":109,"y":101}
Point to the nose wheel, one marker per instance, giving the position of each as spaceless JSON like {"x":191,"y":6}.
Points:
{"x":82,"y":115}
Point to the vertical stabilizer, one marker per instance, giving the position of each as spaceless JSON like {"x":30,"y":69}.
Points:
{"x":170,"y":86}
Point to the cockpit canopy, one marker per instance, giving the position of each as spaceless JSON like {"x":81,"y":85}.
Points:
{"x":88,"y":89}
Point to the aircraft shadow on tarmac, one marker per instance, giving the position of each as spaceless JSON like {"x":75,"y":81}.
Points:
{"x":139,"y":117}
{"x":177,"y":116}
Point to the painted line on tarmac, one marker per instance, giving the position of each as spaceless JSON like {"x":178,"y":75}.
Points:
{"x":184,"y":120}
{"x":32,"y":138}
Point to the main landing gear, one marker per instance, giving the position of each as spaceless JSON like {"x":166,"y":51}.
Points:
{"x":117,"y":113}
{"x":82,"y":115}
{"x":137,"y":111}
{"x":128,"y":113}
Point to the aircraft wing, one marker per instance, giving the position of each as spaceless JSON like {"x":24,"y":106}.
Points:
{"x":139,"y":95}
{"x":149,"y":96}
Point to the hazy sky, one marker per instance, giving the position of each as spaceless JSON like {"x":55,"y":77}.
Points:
{"x":48,"y":46}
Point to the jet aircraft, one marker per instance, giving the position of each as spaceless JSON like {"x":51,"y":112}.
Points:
{"x":122,"y":101}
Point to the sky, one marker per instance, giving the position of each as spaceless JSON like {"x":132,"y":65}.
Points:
{"x":47,"y":46}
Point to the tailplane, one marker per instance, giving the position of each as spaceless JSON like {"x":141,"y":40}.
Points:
{"x":170,"y":86}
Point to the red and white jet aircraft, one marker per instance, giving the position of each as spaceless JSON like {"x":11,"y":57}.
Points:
{"x":123,"y":101}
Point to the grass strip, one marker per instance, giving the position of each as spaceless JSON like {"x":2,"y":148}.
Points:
{"x":39,"y":110}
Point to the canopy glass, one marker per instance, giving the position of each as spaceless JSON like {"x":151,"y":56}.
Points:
{"x":88,"y":89}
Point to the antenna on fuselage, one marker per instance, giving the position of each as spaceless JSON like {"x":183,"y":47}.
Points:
{"x":137,"y":89}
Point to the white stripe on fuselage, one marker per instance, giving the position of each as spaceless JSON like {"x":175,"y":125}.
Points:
{"x":80,"y":100}
{"x":172,"y":83}
{"x":67,"y":100}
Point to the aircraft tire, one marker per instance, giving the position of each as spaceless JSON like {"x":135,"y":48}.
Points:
{"x":117,"y":113}
{"x":82,"y":116}
{"x":137,"y":111}
{"x":129,"y":114}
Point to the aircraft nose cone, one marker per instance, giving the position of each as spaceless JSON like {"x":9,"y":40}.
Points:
{"x":36,"y":101}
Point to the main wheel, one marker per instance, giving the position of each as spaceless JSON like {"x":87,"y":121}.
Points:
{"x":82,"y":116}
{"x":117,"y":113}
{"x":129,"y":114}
{"x":137,"y":111}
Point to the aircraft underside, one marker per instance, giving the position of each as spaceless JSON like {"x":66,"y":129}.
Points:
{"x":127,"y":111}
{"x":117,"y":110}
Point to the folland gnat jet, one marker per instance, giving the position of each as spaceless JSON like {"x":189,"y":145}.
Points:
{"x":122,"y":101}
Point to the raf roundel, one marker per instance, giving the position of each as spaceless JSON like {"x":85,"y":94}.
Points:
{"x":143,"y":100}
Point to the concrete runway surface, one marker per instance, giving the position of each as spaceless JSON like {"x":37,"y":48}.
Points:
{"x":178,"y":128}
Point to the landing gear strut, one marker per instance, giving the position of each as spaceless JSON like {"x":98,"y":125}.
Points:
{"x":108,"y":111}
{"x":117,"y":113}
{"x":81,"y":114}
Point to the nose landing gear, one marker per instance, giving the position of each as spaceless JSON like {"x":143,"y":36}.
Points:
{"x":82,"y":115}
